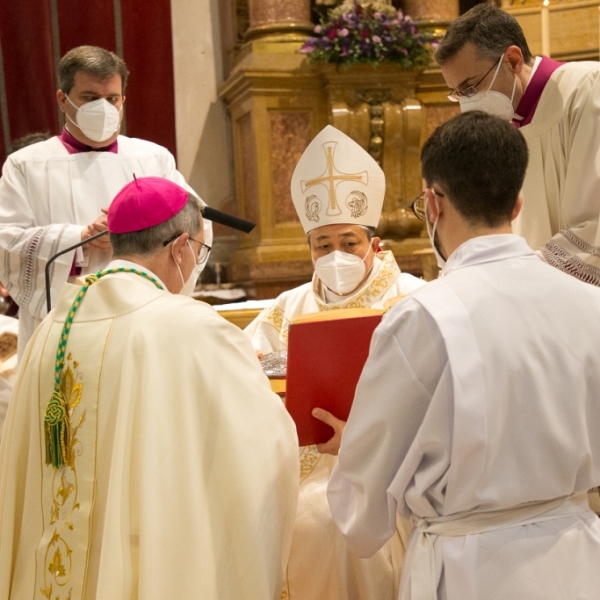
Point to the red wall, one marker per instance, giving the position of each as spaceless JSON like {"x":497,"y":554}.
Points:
{"x":26,"y":39}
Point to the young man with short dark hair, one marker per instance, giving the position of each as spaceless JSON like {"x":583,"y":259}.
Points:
{"x":477,"y":411}
{"x":486,"y":62}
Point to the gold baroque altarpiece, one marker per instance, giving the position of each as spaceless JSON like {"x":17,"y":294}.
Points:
{"x":278,"y":102}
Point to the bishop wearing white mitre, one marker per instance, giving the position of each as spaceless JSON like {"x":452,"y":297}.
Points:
{"x":338,"y":191}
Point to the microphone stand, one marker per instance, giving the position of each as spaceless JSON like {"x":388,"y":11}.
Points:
{"x":55,"y":256}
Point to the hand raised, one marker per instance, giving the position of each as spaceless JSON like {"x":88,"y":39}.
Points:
{"x":101,"y":244}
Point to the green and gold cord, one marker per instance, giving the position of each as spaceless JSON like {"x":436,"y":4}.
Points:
{"x":57,"y":419}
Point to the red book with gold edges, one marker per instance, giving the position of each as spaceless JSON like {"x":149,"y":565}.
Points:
{"x":326,"y":354}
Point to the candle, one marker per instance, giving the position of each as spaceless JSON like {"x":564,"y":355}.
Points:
{"x":546,"y":28}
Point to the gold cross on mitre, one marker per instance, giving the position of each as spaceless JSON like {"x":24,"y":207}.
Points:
{"x":331,"y":177}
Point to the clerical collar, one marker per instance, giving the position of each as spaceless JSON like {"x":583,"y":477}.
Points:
{"x":74,"y":146}
{"x":537,"y":82}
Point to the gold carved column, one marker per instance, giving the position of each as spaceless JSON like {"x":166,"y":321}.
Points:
{"x":268,"y":17}
{"x":277,"y":106}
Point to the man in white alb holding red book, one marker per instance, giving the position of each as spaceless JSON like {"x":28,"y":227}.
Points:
{"x":338,"y":192}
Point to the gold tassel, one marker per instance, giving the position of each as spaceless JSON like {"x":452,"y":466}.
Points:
{"x":58,"y":431}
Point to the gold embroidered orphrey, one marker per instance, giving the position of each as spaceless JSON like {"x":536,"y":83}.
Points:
{"x":330,"y":178}
{"x":8,"y":345}
{"x":58,"y":561}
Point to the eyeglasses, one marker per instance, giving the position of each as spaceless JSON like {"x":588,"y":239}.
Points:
{"x":418,"y":204}
{"x":470,"y":91}
{"x":204,"y":249}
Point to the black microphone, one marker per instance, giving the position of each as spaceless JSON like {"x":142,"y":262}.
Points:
{"x":55,"y":256}
{"x":212,"y":214}
{"x":217,"y":216}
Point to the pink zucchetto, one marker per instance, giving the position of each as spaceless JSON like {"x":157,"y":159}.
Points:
{"x":143,"y":203}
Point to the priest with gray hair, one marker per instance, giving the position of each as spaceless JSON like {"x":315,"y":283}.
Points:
{"x":144,"y":453}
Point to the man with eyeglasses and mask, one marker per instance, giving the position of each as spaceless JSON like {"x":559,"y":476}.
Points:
{"x":144,"y":454}
{"x":486,"y":62}
{"x":477,"y":411}
{"x":55,"y":193}
{"x":338,"y":190}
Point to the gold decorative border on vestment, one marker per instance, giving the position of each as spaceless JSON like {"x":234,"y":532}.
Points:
{"x":309,"y":458}
{"x":274,"y":316}
{"x":58,"y":560}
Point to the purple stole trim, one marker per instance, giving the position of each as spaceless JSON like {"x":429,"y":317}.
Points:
{"x":533,"y":92}
{"x":74,"y":146}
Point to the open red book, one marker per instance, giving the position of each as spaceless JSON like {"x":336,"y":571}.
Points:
{"x":326,"y":354}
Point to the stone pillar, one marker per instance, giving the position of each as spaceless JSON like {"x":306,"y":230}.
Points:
{"x":272,"y":17}
{"x":432,"y":10}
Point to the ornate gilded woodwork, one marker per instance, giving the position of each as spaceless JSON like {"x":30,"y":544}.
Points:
{"x":278,"y":102}
{"x":574,"y":27}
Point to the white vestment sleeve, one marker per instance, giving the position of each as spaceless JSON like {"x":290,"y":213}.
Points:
{"x":26,"y":248}
{"x":392,"y":399}
{"x":264,"y":331}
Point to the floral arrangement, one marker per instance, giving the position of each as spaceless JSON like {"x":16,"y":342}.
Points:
{"x":365,"y":34}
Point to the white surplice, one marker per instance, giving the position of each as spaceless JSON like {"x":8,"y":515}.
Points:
{"x":480,"y":394}
{"x":562,"y":185}
{"x":184,"y":481}
{"x":47,"y":197}
{"x":8,"y":367}
{"x":321,"y":567}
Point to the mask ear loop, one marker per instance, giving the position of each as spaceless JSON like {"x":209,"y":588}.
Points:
{"x":496,"y":73}
{"x":176,"y":263}
{"x":435,"y":223}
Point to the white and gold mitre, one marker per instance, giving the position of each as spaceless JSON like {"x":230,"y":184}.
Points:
{"x":337,"y":182}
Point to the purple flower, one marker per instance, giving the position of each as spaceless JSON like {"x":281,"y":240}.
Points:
{"x":307,"y":49}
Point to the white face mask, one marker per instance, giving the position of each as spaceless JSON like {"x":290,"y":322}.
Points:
{"x":98,"y":120}
{"x":493,"y":103}
{"x":189,"y":286}
{"x":341,"y":272}
{"x":441,"y":261}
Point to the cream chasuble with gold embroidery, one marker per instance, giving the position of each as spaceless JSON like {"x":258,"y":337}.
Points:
{"x":182,"y":479}
{"x":269,"y":330}
{"x":321,"y":565}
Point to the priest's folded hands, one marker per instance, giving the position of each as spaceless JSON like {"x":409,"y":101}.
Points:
{"x":332,"y":446}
